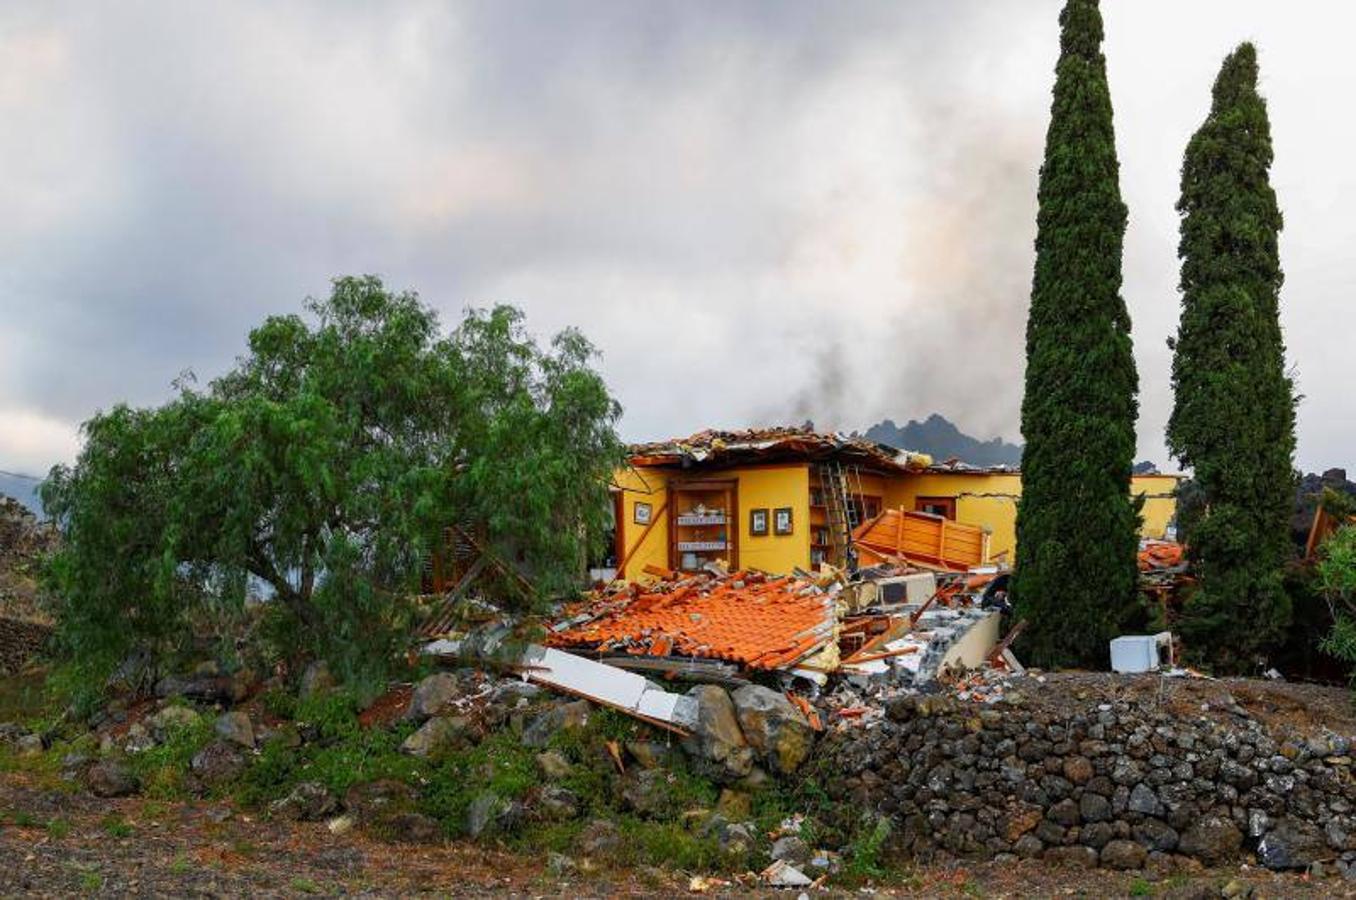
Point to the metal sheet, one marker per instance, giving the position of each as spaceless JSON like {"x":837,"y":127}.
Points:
{"x":606,"y":684}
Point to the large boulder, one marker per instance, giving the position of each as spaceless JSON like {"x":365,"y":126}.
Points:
{"x":1120,"y":854}
{"x":111,"y":778}
{"x":792,"y":848}
{"x":235,"y":727}
{"x":571,"y":716}
{"x":600,"y":839}
{"x":773,"y":727}
{"x":1072,"y":857}
{"x":202,"y":688}
{"x":1292,"y":844}
{"x":439,"y":735}
{"x":553,"y":765}
{"x":171,"y":719}
{"x":316,"y":679}
{"x":309,"y":801}
{"x":647,"y":792}
{"x":556,"y":804}
{"x":735,"y":839}
{"x":431,"y":695}
{"x":139,"y":739}
{"x":217,"y":763}
{"x":490,"y":815}
{"x":1212,"y":840}
{"x":650,"y":754}
{"x":716,"y":741}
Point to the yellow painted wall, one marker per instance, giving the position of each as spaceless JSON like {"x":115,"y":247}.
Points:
{"x":985,"y":499}
{"x":643,"y":485}
{"x":990,"y":499}
{"x":770,"y":487}
{"x":767,"y":487}
{"x":1159,"y":504}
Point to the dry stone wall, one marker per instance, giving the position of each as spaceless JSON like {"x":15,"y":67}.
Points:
{"x":1123,"y":785}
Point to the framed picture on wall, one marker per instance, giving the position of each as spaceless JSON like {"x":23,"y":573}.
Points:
{"x":643,"y":513}
{"x":758,"y":522}
{"x":781,"y":520}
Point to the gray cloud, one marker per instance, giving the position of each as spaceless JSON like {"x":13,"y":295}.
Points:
{"x":757,"y":211}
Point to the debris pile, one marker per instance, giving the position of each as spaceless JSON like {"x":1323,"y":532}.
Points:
{"x":747,"y":618}
{"x":769,"y":444}
{"x":1164,"y":574}
{"x":919,"y":537}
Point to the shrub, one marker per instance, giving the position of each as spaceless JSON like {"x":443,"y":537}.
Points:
{"x":1336,"y":579}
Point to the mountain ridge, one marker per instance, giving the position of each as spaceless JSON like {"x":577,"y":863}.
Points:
{"x":938,"y":437}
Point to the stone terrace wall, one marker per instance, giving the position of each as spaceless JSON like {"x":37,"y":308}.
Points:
{"x":1122,"y":785}
{"x":19,"y":642}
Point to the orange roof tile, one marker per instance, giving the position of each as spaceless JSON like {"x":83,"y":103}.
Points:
{"x":763,"y":623}
{"x":1160,"y":555}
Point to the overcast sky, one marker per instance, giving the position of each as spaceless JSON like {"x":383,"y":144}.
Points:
{"x":759,"y":212}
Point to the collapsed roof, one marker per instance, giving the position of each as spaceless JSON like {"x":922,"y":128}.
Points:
{"x":723,"y":448}
{"x":747,"y":618}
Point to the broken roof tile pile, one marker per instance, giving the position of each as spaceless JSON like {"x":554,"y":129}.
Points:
{"x":1164,"y":571}
{"x":766,"y":444}
{"x":1161,"y":556}
{"x":746,"y":618}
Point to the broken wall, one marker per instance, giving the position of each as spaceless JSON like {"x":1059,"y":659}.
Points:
{"x":990,"y":499}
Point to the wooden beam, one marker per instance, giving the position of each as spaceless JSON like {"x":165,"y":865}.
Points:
{"x":654,"y":520}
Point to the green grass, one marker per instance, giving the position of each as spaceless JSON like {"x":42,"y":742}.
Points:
{"x":117,"y":827}
{"x":181,"y":865}
{"x":1141,"y":888}
{"x":22,"y":818}
{"x":669,"y":843}
{"x":91,"y":882}
{"x":305,"y":886}
{"x":161,"y":769}
{"x":23,"y":698}
{"x":863,"y":853}
{"x":58,"y":828}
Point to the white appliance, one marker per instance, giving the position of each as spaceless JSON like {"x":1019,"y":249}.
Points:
{"x":1141,"y":652}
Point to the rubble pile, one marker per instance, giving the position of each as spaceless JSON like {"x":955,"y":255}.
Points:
{"x":1125,"y":784}
{"x":885,"y":625}
{"x":748,"y":618}
{"x":1164,"y":574}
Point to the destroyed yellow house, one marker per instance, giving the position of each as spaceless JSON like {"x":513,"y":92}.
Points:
{"x":786,"y":498}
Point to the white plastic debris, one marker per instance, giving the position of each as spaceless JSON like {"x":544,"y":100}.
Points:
{"x":782,"y":874}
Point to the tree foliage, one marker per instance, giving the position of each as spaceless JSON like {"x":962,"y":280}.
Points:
{"x":1076,"y":522}
{"x":1336,"y":577}
{"x":324,"y":467}
{"x":1233,"y":420}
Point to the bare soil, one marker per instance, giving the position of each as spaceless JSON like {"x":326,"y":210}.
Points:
{"x":1298,"y":708}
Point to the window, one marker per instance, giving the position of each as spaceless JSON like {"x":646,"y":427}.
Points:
{"x":937,"y":506}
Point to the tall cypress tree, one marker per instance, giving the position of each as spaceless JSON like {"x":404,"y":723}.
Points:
{"x":1233,"y":421}
{"x":1076,"y":523}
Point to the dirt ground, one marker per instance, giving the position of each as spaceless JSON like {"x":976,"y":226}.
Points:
{"x":1291,"y":706}
{"x":148,"y":848}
